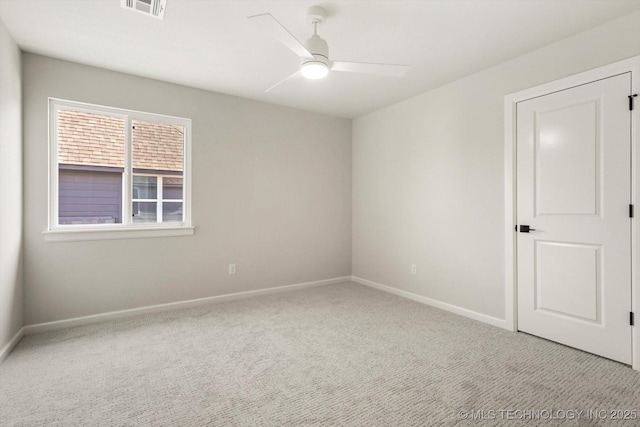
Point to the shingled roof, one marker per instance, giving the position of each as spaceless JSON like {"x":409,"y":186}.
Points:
{"x":90,"y":139}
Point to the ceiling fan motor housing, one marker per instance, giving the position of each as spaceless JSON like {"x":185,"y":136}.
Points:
{"x":319,"y":49}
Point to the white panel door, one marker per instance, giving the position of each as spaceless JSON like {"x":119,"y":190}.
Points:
{"x":574,"y":189}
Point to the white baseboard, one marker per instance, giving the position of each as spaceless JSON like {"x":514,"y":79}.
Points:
{"x":11,"y":344}
{"x":85,"y":320}
{"x":434,"y":303}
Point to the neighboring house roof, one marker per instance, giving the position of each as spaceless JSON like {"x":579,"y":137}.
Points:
{"x":157,"y":146}
{"x":97,"y":140}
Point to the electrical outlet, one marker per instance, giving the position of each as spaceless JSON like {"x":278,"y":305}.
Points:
{"x":232,"y":269}
{"x":414,"y":269}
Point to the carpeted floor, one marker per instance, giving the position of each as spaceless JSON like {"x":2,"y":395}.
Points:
{"x":332,"y":355}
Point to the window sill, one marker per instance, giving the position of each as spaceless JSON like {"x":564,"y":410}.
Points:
{"x":78,"y":235}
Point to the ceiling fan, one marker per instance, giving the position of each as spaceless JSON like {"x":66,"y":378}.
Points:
{"x":314,"y":53}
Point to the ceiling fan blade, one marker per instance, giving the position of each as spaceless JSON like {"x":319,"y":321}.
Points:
{"x":273,"y":28}
{"x":296,"y":74}
{"x":365,"y":68}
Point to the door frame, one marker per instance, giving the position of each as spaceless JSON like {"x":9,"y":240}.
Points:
{"x":631,"y":65}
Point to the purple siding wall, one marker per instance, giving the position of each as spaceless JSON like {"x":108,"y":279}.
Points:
{"x":90,"y":197}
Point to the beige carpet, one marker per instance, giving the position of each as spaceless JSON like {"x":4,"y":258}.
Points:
{"x":332,"y":355}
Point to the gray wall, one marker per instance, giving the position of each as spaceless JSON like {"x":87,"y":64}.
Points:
{"x":271,"y":193}
{"x":10,"y":189}
{"x":428,"y":180}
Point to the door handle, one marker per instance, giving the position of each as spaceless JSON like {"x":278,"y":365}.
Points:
{"x":526,"y":229}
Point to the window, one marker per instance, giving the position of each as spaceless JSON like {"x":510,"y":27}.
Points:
{"x":157,"y":198}
{"x":115,"y":170}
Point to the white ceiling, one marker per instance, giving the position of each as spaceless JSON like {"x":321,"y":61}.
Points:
{"x":211,"y":45}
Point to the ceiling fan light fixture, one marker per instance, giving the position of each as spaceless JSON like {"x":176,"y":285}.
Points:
{"x":314,"y":53}
{"x":314,"y":70}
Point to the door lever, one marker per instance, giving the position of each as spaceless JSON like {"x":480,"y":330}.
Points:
{"x":526,"y":229}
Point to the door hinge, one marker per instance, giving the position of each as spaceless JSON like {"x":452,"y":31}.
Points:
{"x":631,"y":319}
{"x":631,"y":101}
{"x":630,"y":211}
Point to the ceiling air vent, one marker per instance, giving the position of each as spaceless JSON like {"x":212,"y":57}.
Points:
{"x":153,"y":8}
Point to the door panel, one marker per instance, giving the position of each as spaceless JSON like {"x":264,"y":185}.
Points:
{"x":574,"y":186}
{"x":567,"y":159}
{"x":564,"y":270}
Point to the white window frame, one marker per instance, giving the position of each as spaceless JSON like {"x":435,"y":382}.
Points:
{"x":159,"y":200}
{"x":127,"y":229}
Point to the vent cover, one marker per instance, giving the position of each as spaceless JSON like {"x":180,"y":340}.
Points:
{"x":153,"y":8}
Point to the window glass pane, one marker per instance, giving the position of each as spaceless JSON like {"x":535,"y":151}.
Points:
{"x":90,"y":167}
{"x":92,"y":151}
{"x":144,"y":212}
{"x":172,"y":212}
{"x":172,"y":187}
{"x":157,"y":147}
{"x":145,"y":187}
